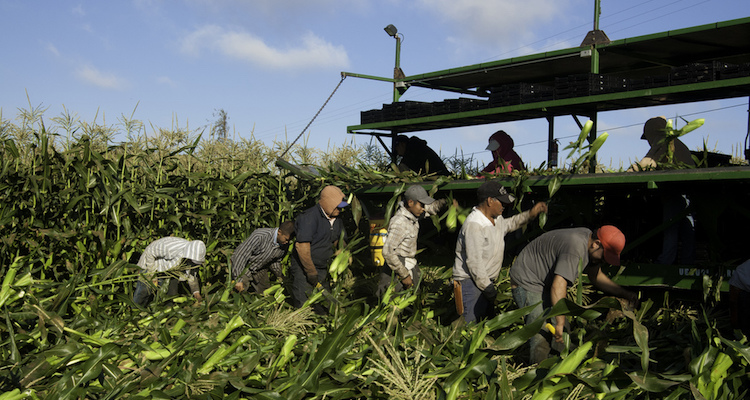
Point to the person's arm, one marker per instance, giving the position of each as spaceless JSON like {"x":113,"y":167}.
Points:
{"x":275,"y":267}
{"x":558,"y":292}
{"x":194,"y":284}
{"x":602,"y":282}
{"x":519,"y":220}
{"x":436,"y":206}
{"x":242,"y":260}
{"x":305,"y":258}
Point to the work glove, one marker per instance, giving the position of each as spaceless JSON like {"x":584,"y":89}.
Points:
{"x":490,"y":293}
{"x":312,"y":279}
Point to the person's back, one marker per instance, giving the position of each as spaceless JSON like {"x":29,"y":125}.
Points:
{"x":654,"y":131}
{"x":420,"y":158}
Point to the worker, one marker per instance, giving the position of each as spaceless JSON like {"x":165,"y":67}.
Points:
{"x":549,"y":264}
{"x":418,"y":157}
{"x":673,"y":202}
{"x":480,"y":247}
{"x":318,"y":229}
{"x":654,"y":131}
{"x":739,"y":298}
{"x":504,"y":158}
{"x":176,"y":259}
{"x":400,"y":247}
{"x":260,"y":252}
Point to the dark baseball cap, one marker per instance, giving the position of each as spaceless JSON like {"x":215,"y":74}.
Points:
{"x":494,"y":189}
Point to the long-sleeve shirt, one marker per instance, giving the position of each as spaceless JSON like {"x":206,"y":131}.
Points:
{"x":481,"y":245}
{"x":260,"y":250}
{"x":167,"y":253}
{"x":401,"y":242}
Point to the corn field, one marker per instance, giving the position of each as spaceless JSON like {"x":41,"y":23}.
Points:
{"x":74,"y":217}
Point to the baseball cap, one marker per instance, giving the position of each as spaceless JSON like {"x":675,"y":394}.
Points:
{"x":418,"y":193}
{"x":494,"y":145}
{"x":496,"y":190}
{"x":613,"y":241}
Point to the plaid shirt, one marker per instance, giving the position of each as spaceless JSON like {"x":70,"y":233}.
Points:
{"x":401,"y":242}
{"x":260,"y":250}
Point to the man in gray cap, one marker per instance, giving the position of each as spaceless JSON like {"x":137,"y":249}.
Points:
{"x":400,"y":247}
{"x":480,"y":247}
{"x":166,"y":256}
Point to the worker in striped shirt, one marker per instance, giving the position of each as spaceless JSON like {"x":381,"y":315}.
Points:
{"x":174,"y":259}
{"x":262,"y":251}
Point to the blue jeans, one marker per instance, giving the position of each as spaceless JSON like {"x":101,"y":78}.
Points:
{"x":539,"y":347}
{"x":476,"y":306}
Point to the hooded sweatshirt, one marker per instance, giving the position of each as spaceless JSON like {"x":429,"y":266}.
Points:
{"x":504,"y":158}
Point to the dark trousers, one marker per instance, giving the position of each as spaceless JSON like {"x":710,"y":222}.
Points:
{"x":387,"y":276}
{"x":739,"y":304}
{"x":300,"y":288}
{"x":144,"y":294}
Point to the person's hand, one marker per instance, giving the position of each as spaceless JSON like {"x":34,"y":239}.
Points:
{"x":490,"y":293}
{"x":632,"y":298}
{"x":538,"y":209}
{"x":239,"y":286}
{"x":455,"y":203}
{"x":312,"y":279}
{"x":197,"y":296}
{"x":407,"y":282}
{"x":559,"y":332}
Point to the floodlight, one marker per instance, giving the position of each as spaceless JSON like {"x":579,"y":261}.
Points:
{"x":391,"y":30}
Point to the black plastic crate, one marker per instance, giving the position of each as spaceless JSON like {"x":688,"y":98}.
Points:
{"x":371,"y":116}
{"x":519,"y":93}
{"x":588,"y":84}
{"x":729,"y":71}
{"x":440,"y":107}
{"x":694,"y":73}
{"x":465,"y":104}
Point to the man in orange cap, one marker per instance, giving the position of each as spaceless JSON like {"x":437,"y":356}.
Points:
{"x":317,"y":228}
{"x":549,"y":264}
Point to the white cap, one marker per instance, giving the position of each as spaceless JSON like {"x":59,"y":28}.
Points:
{"x":494,"y":145}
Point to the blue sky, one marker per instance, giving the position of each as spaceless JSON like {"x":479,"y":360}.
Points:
{"x":270,"y":64}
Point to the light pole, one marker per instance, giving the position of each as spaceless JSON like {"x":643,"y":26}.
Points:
{"x":399,"y":87}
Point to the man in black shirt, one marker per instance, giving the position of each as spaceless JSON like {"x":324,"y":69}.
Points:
{"x":318,"y":229}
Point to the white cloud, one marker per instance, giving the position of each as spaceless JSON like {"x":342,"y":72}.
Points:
{"x":78,"y":10}
{"x":501,"y":23}
{"x":311,"y":52}
{"x":165,"y":80}
{"x":52,"y":49}
{"x":98,"y":78}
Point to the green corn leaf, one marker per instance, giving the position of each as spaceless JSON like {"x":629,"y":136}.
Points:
{"x":329,"y":354}
{"x":650,"y":382}
{"x":572,"y":361}
{"x":554,"y":185}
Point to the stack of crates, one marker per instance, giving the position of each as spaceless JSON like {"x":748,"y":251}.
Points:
{"x":588,"y":84}
{"x":519,"y":93}
{"x":729,"y":71}
{"x":371,"y":116}
{"x":405,"y":110}
{"x":648,"y":82}
{"x":694,"y":73}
